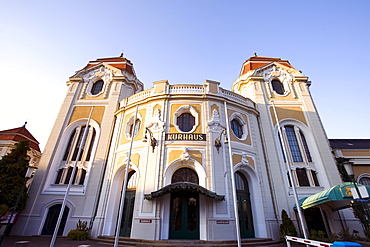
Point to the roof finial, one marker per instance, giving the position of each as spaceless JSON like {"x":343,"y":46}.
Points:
{"x":255,"y":54}
{"x":24,"y":125}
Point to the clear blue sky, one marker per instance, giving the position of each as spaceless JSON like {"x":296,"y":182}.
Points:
{"x":42,"y":44}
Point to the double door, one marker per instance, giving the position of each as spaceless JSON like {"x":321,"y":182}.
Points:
{"x":184,"y":216}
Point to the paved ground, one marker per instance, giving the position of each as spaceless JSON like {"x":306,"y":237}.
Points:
{"x":44,"y":241}
{"x":41,"y":241}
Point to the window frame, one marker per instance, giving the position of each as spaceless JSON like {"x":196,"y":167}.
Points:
{"x":364,"y":176}
{"x":130,"y":125}
{"x":300,"y":146}
{"x":63,"y":161}
{"x":277,"y":85}
{"x":186,"y":109}
{"x":94,"y":85}
{"x":239,"y":118}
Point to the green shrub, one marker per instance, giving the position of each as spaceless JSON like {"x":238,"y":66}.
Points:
{"x":367,"y":234}
{"x":346,"y":235}
{"x":317,"y":235}
{"x":286,"y":227}
{"x":78,"y":234}
{"x":81,"y":232}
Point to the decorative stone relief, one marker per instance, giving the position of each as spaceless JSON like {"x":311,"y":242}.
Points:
{"x":185,"y":154}
{"x":92,"y":75}
{"x":275,"y":72}
{"x":244,"y":161}
{"x":291,"y":88}
{"x":156,"y":124}
{"x":269,"y":89}
{"x":215,"y":124}
{"x":101,"y":72}
{"x":83,"y":91}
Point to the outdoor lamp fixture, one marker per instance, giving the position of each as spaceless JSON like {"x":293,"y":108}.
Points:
{"x":153,"y":141}
{"x":218,"y":140}
{"x":349,"y":169}
{"x":30,"y":170}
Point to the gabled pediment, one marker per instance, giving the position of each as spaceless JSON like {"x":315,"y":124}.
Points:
{"x":277,"y":70}
{"x":102,"y":71}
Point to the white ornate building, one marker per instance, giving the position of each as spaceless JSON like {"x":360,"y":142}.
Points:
{"x":190,"y":144}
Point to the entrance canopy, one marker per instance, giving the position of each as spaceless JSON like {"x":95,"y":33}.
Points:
{"x":337,"y":197}
{"x":183,"y":186}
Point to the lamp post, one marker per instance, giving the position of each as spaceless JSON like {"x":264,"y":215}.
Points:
{"x":349,"y":169}
{"x":29,"y":172}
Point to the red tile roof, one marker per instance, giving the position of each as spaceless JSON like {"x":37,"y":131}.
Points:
{"x":118,"y":62}
{"x":253,"y":63}
{"x":18,"y":134}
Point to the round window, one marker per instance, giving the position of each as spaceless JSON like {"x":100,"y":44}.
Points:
{"x":97,"y":87}
{"x":186,"y":122}
{"x":278,"y":86}
{"x":237,"y":128}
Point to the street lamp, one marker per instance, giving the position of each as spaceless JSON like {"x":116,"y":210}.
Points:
{"x":30,"y":170}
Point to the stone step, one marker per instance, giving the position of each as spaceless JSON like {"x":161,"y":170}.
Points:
{"x":193,"y":243}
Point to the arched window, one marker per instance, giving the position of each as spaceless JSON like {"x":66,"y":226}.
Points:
{"x":75,"y":143}
{"x":298,"y":151}
{"x":365,"y":181}
{"x":132,"y":129}
{"x":185,"y":175}
{"x":132,"y":180}
{"x":241,"y":182}
{"x":97,"y":87}
{"x":278,"y":86}
{"x":186,"y":118}
{"x":293,"y":144}
{"x":237,"y":128}
{"x":186,"y":122}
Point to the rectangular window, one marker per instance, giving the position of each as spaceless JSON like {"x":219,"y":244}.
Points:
{"x":307,"y":151}
{"x":302,"y":177}
{"x":314,"y":176}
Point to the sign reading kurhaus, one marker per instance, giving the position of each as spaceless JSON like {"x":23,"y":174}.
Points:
{"x":185,"y":137}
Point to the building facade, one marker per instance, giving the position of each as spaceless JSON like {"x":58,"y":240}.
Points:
{"x":8,"y":139}
{"x":357,"y":151}
{"x":194,"y":154}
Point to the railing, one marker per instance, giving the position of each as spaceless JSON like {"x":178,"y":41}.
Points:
{"x":139,"y":96}
{"x":318,"y":243}
{"x":237,"y":97}
{"x":186,"y":89}
{"x":189,"y":89}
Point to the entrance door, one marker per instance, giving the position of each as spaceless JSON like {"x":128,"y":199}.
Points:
{"x":52,"y":219}
{"x":184,"y":216}
{"x":128,"y":210}
{"x":244,"y":206}
{"x":314,"y":220}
